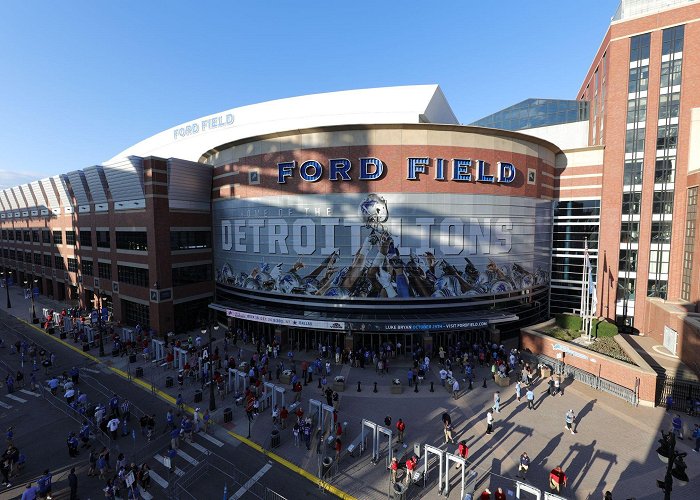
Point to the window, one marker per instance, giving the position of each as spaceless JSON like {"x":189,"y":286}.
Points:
{"x":626,"y":288}
{"x":102,"y":239}
{"x":11,"y":235}
{"x":661,"y":232}
{"x":657,"y":288}
{"x":135,"y":314}
{"x":638,"y":80}
{"x":20,"y":256}
{"x":3,"y":234}
{"x":37,"y":259}
{"x":28,"y":257}
{"x":13,"y":255}
{"x":104,"y":270}
{"x":187,"y":240}
{"x":671,"y":73}
{"x":57,"y":238}
{"x":191,"y":274}
{"x":86,"y":238}
{"x":133,"y":276}
{"x":633,"y":173}
{"x":639,"y":47}
{"x":629,"y":232}
{"x":628,"y":260}
{"x":27,"y":235}
{"x":58,"y":262}
{"x":667,"y":137}
{"x":658,"y":261}
{"x":665,"y":170}
{"x":634,"y":140}
{"x":637,"y":110}
{"x":669,"y":104}
{"x":689,"y":248}
{"x":672,"y":40}
{"x":132,"y":240}
{"x":45,"y":236}
{"x":35,"y":236}
{"x":631,"y":203}
{"x":72,"y":264}
{"x":86,"y":267}
{"x":663,"y":202}
{"x":18,"y":235}
{"x":47,"y":261}
{"x":70,"y":238}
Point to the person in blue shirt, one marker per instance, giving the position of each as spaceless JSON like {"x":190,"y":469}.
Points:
{"x":114,"y":406}
{"x":677,"y":426}
{"x":44,"y":484}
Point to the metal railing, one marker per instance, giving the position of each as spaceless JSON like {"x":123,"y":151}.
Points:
{"x":678,"y":394}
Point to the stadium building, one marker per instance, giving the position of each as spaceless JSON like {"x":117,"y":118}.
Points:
{"x":364,"y":216}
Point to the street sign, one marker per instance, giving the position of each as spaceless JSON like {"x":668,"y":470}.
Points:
{"x":205,"y":354}
{"x":130,"y":479}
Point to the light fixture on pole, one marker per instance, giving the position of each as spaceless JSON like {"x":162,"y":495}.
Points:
{"x":99,"y":322}
{"x":7,"y":287}
{"x":209,"y":355}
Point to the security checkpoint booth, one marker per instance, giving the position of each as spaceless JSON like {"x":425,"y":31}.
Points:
{"x":273,"y":395}
{"x":466,"y":477}
{"x":179,"y":358}
{"x":237,"y":381}
{"x":321,"y":414}
{"x":127,"y":335}
{"x":377,"y":432}
{"x":157,"y":350}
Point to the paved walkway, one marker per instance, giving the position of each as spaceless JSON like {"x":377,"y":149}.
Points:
{"x":614,"y":448}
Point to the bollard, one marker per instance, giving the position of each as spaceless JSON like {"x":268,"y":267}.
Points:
{"x":484,"y":386}
{"x":375,"y":387}
{"x":358,"y":386}
{"x":431,"y":387}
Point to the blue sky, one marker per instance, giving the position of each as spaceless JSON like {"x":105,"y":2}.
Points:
{"x":83,"y":80}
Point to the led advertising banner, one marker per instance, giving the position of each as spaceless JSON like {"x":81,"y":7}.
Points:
{"x":383,"y":245}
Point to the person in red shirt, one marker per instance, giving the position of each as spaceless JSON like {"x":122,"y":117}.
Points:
{"x":338,"y":429}
{"x":299,"y":414}
{"x":338,"y":448}
{"x":499,"y":495}
{"x":401,"y":427}
{"x":486,"y":494}
{"x":284,"y":413}
{"x":394,"y":467}
{"x":410,"y":468}
{"x":557,"y":479}
{"x":462,"y":451}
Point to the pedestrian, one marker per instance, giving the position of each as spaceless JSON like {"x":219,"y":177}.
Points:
{"x":197,"y":419}
{"x":29,"y":493}
{"x":207,"y":421}
{"x":275,"y":415}
{"x":175,"y":438}
{"x":455,"y":388}
{"x":499,"y":494}
{"x":443,"y":376}
{"x":530,"y":396}
{"x":696,"y":435}
{"x":126,"y":410}
{"x":73,"y":484}
{"x":557,"y":386}
{"x":400,"y":427}
{"x":447,"y":427}
{"x":489,"y":422}
{"x":523,"y":466}
{"x":608,"y":496}
{"x":296,"y":430}
{"x":387,"y":421}
{"x":307,"y":435}
{"x":92,"y":460}
{"x":518,"y":390}
{"x":180,"y":404}
{"x":677,"y":426}
{"x":557,"y":479}
{"x":462,"y":451}
{"x":5,"y":470}
{"x":114,"y":406}
{"x":284,"y":414}
{"x":410,"y":377}
{"x":497,"y":402}
{"x":113,"y":426}
{"x":550,"y":385}
{"x":394,"y":467}
{"x":569,"y":419}
{"x":338,"y":448}
{"x":485,"y":495}
{"x":410,"y":468}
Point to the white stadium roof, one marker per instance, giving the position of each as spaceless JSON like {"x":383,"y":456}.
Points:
{"x":404,"y":104}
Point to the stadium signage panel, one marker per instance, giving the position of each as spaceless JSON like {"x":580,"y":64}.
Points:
{"x":342,"y":169}
{"x":203,"y":125}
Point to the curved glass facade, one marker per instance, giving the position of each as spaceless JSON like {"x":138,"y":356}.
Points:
{"x":533,"y":113}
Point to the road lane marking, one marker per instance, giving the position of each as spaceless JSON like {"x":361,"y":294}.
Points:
{"x":156,"y":477}
{"x":211,"y":439}
{"x":188,"y":457}
{"x":91,"y":370}
{"x":16,"y":398}
{"x":146,"y":495}
{"x":30,"y":393}
{"x":160,"y":459}
{"x":5,"y":405}
{"x":200,"y":448}
{"x":242,"y":490}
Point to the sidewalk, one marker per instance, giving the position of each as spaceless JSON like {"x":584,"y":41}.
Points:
{"x":612,"y":450}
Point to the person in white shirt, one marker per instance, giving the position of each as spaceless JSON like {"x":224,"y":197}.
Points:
{"x":113,"y":426}
{"x":455,"y":388}
{"x":443,"y":376}
{"x":489,"y":422}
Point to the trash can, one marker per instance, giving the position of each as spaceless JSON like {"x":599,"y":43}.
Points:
{"x":132,"y":358}
{"x":86,"y":347}
{"x":274,"y":438}
{"x":326,"y":465}
{"x":228,"y":415}
{"x":197,"y":396}
{"x":139,"y":371}
{"x":398,"y":491}
{"x":168,"y":381}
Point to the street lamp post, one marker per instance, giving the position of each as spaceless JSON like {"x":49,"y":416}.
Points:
{"x":676,"y":465}
{"x":99,"y":322}
{"x":30,"y":286}
{"x":212,"y":400}
{"x":7,"y":287}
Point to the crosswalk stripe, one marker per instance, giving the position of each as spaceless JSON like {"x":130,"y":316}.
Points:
{"x":188,"y":457}
{"x":156,"y":477}
{"x":211,"y":439}
{"x":160,"y":459}
{"x":242,"y":490}
{"x":91,"y":370}
{"x":30,"y":393}
{"x":16,"y":398}
{"x":146,"y":495}
{"x":200,"y":448}
{"x":5,"y":405}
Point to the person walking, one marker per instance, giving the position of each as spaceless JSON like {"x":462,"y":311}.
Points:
{"x":113,"y":426}
{"x":557,"y":386}
{"x":447,"y":427}
{"x":550,"y":385}
{"x":696,"y":435}
{"x":530,"y":396}
{"x":569,"y":419}
{"x":410,"y":469}
{"x":557,"y":479}
{"x":462,"y":451}
{"x":400,"y":427}
{"x":394,"y":467}
{"x":523,"y":465}
{"x":455,"y":388}
{"x":489,"y":422}
{"x":677,"y":426}
{"x":518,"y":390}
{"x":497,"y":402}
{"x":73,"y":484}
